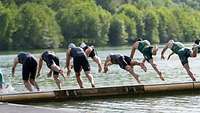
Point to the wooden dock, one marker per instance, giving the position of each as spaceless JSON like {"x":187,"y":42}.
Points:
{"x":103,"y":92}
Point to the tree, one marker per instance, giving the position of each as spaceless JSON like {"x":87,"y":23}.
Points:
{"x":151,"y":25}
{"x":117,"y":33}
{"x":168,"y":27}
{"x":84,"y":22}
{"x":189,"y":23}
{"x":107,"y":5}
{"x":7,"y":26}
{"x":37,"y":28}
{"x":136,"y":15}
{"x":21,"y":2}
{"x":63,"y":4}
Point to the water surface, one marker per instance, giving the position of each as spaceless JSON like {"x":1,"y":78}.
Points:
{"x":173,"y":73}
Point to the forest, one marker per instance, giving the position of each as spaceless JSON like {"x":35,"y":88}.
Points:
{"x":43,"y":24}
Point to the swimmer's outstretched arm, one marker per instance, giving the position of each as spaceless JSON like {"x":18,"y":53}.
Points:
{"x":14,"y":66}
{"x":40,"y":62}
{"x":170,"y":55}
{"x":107,"y":63}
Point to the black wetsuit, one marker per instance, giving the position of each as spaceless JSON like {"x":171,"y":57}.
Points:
{"x":50,"y":58}
{"x":79,"y":59}
{"x":29,"y":65}
{"x":122,"y":60}
{"x":92,"y":53}
{"x":198,"y":48}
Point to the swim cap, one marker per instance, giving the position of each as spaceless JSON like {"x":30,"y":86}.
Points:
{"x":71,"y":45}
{"x":83,"y":45}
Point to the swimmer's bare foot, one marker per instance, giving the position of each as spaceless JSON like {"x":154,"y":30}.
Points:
{"x":93,"y":86}
{"x":161,"y":76}
{"x":143,"y":67}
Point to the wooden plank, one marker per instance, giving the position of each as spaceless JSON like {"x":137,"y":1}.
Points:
{"x":197,"y":87}
{"x":110,"y":91}
{"x":27,"y":96}
{"x":132,"y":90}
{"x":168,"y":87}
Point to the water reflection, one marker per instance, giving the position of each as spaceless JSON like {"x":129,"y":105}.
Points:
{"x":161,"y":104}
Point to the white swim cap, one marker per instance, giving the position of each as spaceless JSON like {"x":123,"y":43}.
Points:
{"x":71,"y":45}
{"x":83,"y":45}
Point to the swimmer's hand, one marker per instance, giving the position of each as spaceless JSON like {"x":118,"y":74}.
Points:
{"x":143,"y":67}
{"x":105,"y":69}
{"x":100,"y":69}
{"x":38,"y":74}
{"x":162,"y":57}
{"x":68,"y":72}
{"x":61,"y":71}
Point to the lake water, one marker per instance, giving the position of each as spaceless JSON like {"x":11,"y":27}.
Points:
{"x":172,"y":69}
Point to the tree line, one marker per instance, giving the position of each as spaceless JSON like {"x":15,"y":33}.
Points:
{"x":37,"y":24}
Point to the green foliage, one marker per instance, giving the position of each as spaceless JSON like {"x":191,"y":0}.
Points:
{"x":151,"y":25}
{"x":136,"y":15}
{"x":168,"y":26}
{"x":130,"y":27}
{"x":60,"y":4}
{"x":21,"y":2}
{"x":107,"y":5}
{"x":36,"y":28}
{"x":152,"y":3}
{"x":117,"y":33}
{"x":189,"y":24}
{"x":7,"y":27}
{"x":84,"y":22}
{"x":35,"y":24}
{"x":190,"y":3}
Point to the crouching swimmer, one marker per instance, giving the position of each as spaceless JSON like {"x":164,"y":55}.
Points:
{"x":80,"y":62}
{"x":52,"y":62}
{"x":29,"y":68}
